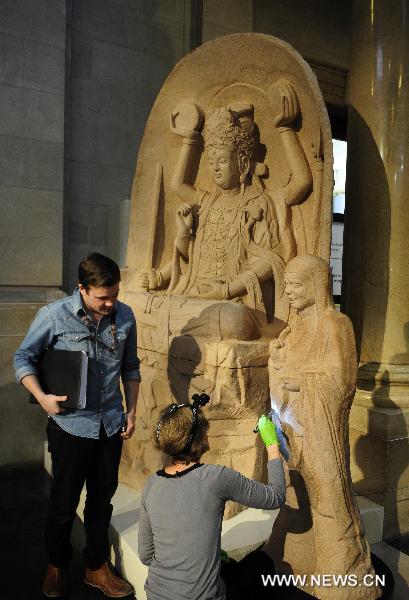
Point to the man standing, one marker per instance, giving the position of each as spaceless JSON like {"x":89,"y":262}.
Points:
{"x":85,"y":444}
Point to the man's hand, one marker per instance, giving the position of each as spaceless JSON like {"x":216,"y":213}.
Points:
{"x":51,"y":403}
{"x":130,"y":427}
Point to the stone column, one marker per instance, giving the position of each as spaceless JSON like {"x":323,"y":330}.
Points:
{"x":376,"y":253}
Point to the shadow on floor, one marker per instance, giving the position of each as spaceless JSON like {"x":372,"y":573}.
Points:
{"x":23,"y":505}
{"x":401,"y":543}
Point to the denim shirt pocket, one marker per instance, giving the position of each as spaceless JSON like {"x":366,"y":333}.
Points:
{"x":76,"y":340}
{"x":72,"y":340}
{"x":120,"y":339}
{"x":121,"y":336}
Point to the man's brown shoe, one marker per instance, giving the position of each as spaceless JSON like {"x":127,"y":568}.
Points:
{"x":110,"y":584}
{"x":55,"y":583}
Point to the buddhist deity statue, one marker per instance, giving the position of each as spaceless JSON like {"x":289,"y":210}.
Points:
{"x":312,"y":373}
{"x":232,"y":242}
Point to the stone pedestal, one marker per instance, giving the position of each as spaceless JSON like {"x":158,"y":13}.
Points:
{"x":234,"y":373}
{"x":379,"y":462}
{"x":376,"y":253}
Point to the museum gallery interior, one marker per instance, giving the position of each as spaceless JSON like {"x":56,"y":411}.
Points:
{"x":115,"y":117}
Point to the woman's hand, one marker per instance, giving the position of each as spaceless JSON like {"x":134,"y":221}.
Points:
{"x":267,"y":430}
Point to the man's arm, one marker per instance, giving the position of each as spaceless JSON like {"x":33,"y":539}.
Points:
{"x":49,"y":402}
{"x":131,"y":377}
{"x":131,"y":389}
{"x":39,"y":337}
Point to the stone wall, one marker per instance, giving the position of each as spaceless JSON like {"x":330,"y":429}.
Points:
{"x":32,"y":86}
{"x":32,"y":73}
{"x":224,"y":17}
{"x":318,"y":29}
{"x":121,"y":52}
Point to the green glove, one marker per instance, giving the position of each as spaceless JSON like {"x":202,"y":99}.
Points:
{"x":224,"y":556}
{"x":267,"y":430}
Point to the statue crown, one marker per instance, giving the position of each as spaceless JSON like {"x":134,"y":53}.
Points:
{"x":224,"y":129}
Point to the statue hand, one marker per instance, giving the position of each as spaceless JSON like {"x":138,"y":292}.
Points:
{"x":292,"y":385}
{"x":184,"y":219}
{"x":186,"y":120}
{"x":285,"y":103}
{"x":148,"y":279}
{"x":278,"y":343}
{"x":216,"y":290}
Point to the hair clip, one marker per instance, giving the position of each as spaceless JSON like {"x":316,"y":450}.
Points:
{"x":200,"y":399}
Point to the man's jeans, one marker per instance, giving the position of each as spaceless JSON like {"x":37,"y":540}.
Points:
{"x":76,"y":460}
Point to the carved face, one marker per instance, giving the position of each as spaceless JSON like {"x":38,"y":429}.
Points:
{"x":299,"y":289}
{"x":224,"y":168}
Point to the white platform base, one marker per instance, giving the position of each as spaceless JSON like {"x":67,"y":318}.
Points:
{"x":240,"y":535}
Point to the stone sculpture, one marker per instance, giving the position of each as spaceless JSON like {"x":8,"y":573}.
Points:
{"x":312,"y":375}
{"x":234,"y":178}
{"x":232,"y":240}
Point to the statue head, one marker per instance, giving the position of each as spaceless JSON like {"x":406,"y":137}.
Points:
{"x":307,"y":282}
{"x":230,"y":144}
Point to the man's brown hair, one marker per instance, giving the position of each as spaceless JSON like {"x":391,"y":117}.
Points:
{"x":98,"y":270}
{"x":173,"y":434}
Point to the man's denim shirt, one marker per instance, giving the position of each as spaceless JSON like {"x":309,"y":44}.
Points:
{"x":59,"y":326}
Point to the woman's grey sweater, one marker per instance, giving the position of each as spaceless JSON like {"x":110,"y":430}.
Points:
{"x":180,"y":526}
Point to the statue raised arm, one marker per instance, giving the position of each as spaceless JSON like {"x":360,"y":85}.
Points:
{"x":286,"y":106}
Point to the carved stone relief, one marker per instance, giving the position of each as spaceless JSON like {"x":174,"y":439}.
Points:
{"x":234,"y":178}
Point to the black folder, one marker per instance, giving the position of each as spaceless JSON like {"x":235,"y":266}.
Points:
{"x":64,"y":373}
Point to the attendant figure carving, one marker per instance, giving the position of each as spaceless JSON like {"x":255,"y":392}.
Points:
{"x":312,"y":373}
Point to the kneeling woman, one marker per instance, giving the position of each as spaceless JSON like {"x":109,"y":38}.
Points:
{"x":182,"y":506}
